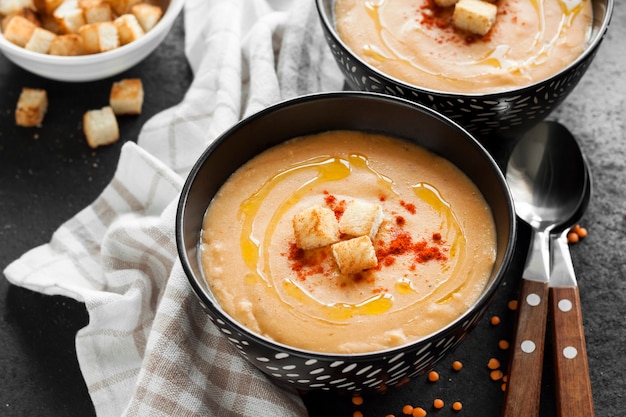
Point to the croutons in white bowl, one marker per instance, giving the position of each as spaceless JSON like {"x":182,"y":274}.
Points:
{"x":94,"y":66}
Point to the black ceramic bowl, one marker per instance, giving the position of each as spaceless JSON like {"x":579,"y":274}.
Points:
{"x":488,"y":117}
{"x":307,"y":370}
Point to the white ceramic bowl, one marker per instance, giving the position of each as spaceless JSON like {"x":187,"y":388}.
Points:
{"x":95,"y":66}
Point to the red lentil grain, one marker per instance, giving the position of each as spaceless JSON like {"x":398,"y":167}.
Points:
{"x":457,"y":406}
{"x":495,"y":320}
{"x":493,"y":364}
{"x":357,"y":400}
{"x":512,"y":305}
{"x":407,"y":409}
{"x":419,"y":412}
{"x":581,"y":232}
{"x":503,"y":344}
{"x":433,"y":376}
{"x":438,"y":403}
{"x":496,"y":375}
{"x":357,"y":414}
{"x":457,"y":365}
{"x":572,"y":237}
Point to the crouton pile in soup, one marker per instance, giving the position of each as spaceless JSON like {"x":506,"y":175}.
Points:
{"x":346,"y":242}
{"x":466,"y":46}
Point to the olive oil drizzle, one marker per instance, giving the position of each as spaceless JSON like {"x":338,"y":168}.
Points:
{"x":327,"y":169}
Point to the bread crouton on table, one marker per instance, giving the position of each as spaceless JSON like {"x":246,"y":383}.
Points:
{"x":315,"y":227}
{"x":31,"y":107}
{"x":354,"y":255}
{"x":475,"y":16}
{"x":100,"y":127}
{"x":361,"y":218}
{"x":127,"y":96}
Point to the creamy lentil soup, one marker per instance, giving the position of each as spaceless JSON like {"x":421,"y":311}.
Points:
{"x":416,"y":42}
{"x":435,"y":247}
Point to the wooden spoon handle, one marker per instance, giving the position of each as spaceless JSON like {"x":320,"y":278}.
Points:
{"x":573,"y":386}
{"x":525,"y":368}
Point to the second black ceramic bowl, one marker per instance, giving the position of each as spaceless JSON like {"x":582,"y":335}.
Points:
{"x":501,"y":115}
{"x":305,"y":369}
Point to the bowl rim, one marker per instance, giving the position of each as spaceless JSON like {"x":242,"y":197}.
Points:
{"x":485,"y":297}
{"x":171,"y":13}
{"x":590,"y":49}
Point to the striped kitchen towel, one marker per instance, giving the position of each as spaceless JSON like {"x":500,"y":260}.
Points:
{"x":149,"y":349}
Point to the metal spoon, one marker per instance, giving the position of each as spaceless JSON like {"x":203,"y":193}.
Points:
{"x":573,"y":386}
{"x":547,"y":176}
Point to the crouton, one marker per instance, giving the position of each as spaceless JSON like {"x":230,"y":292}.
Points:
{"x":8,"y":7}
{"x":445,"y":3}
{"x":67,"y":45}
{"x":69,"y":16}
{"x":19,"y":30}
{"x":148,"y":15}
{"x":121,"y":7}
{"x":31,"y":107}
{"x":48,"y":22}
{"x":100,"y":127}
{"x":354,"y":255}
{"x":128,"y":28}
{"x":24,"y":12}
{"x":315,"y":227}
{"x":47,"y":6}
{"x":361,"y":219}
{"x":126,"y":96}
{"x":475,"y":16}
{"x":99,"y":37}
{"x":40,"y":41}
{"x":96,"y":10}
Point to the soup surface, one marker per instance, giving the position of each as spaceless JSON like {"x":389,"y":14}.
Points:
{"x":416,"y":42}
{"x":435,"y":248}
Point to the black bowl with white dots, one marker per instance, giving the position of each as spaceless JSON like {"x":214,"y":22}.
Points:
{"x":364,"y":111}
{"x":494,"y":116}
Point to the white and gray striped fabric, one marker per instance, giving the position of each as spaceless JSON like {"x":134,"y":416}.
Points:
{"x":149,"y":349}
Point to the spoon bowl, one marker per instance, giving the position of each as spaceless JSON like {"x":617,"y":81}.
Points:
{"x":547,"y":176}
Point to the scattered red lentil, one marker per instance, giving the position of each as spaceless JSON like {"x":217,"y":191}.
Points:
{"x":407,"y":409}
{"x":503,"y":344}
{"x":419,"y":412}
{"x":503,"y":386}
{"x":513,"y":305}
{"x":581,"y":232}
{"x":495,"y":320}
{"x":493,"y":364}
{"x":433,"y":376}
{"x":357,"y":414}
{"x":438,"y":403}
{"x":496,"y":375}
{"x":572,"y":237}
{"x":457,"y":365}
{"x":457,"y":406}
{"x":357,"y":400}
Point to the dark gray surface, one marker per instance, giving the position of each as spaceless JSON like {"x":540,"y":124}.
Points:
{"x":45,"y":181}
